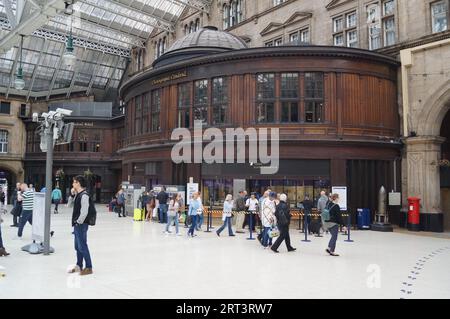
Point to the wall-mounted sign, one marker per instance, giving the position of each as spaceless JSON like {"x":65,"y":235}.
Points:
{"x":85,"y":124}
{"x":170,"y":77}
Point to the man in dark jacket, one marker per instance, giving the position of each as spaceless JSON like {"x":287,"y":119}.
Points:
{"x":162,"y":198}
{"x":239,"y":208}
{"x":80,"y":223}
{"x":17,"y":208}
{"x":283,"y":217}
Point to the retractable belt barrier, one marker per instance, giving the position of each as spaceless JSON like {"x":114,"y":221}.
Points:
{"x":295,"y":213}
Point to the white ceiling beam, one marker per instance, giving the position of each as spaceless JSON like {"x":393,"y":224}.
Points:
{"x":194,"y":5}
{"x":9,"y":13}
{"x":29,"y":23}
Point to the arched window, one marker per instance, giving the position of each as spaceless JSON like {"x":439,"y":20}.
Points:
{"x":233,"y":14}
{"x":3,"y":141}
{"x":191,"y":27}
{"x":164,"y":46}
{"x":226,"y":16}
{"x":239,"y":11}
{"x":156,"y":50}
{"x":197,"y":24}
{"x":186,"y":29}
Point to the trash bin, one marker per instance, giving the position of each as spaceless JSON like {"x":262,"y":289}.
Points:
{"x":363,"y":218}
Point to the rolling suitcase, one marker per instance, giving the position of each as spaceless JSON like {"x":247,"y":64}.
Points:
{"x":138,"y":214}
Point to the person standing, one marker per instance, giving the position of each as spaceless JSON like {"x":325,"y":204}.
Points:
{"x":194,"y":207}
{"x":200,"y":216}
{"x":2,"y":248}
{"x":31,"y":187}
{"x":172,"y":215}
{"x":27,"y":198}
{"x":80,"y":222}
{"x":268,"y":218}
{"x":307,"y":210}
{"x":332,"y":224}
{"x":162,"y":199}
{"x":121,"y":202}
{"x":239,"y":208}
{"x":56,"y":198}
{"x":252,"y":208}
{"x":17,"y":206}
{"x":2,"y":199}
{"x":283,"y":217}
{"x":321,"y":204}
{"x":227,"y":216}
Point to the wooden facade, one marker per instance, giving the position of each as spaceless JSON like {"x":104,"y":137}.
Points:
{"x":360,"y":112}
{"x":94,"y":147}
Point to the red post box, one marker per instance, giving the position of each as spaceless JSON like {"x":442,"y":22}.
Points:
{"x":414,"y":214}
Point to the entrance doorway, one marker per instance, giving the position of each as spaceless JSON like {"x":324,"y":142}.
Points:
{"x":8,"y":181}
{"x":445,"y":172}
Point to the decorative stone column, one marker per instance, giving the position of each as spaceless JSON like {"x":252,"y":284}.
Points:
{"x":423,"y":179}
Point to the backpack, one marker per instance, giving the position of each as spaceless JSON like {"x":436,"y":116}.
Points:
{"x":325,"y":214}
{"x":92,"y":212}
{"x":282,"y":219}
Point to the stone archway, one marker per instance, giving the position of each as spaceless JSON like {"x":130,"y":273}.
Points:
{"x":423,"y":154}
{"x":10,"y":173}
{"x":445,"y":172}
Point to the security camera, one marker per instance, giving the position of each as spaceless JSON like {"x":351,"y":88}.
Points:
{"x":64,"y":111}
{"x":35,"y":117}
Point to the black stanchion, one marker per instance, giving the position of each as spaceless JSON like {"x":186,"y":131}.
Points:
{"x":306,"y":240}
{"x":320,"y":223}
{"x":348,"y":229}
{"x":250,"y":226}
{"x":208,"y":221}
{"x":302,"y":223}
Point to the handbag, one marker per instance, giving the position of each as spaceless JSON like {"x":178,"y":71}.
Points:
{"x":182,"y":218}
{"x":274,"y":232}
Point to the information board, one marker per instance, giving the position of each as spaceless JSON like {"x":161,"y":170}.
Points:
{"x":38,"y":227}
{"x":342,"y":192}
{"x":190,"y":190}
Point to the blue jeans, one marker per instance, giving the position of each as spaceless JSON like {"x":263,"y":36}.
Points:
{"x":170,"y":220}
{"x":1,"y":240}
{"x":200,"y":221}
{"x":81,"y":247}
{"x":27,"y":216}
{"x":266,"y":241}
{"x":193,"y":223}
{"x":334,"y":234}
{"x":163,"y":213}
{"x":225,"y":223}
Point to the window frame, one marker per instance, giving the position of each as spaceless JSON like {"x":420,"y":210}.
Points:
{"x":220,"y":106}
{"x":4,"y":141}
{"x":201,"y":103}
{"x":265,"y":100}
{"x":447,"y":15}
{"x":314,"y":98}
{"x":341,"y":30}
{"x":155,"y":111}
{"x":184,"y":109}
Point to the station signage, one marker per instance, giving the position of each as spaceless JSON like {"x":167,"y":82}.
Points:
{"x":170,"y":77}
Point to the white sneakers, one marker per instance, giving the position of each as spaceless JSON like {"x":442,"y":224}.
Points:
{"x":73,"y":269}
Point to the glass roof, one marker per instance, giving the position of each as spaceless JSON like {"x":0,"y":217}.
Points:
{"x":104,"y":33}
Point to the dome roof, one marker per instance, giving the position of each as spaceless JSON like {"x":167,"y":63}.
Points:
{"x":209,"y":37}
{"x":207,"y":40}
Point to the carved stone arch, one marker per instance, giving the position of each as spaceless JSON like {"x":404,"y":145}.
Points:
{"x":436,"y":107}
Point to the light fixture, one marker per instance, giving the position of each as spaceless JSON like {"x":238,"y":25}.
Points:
{"x":19,"y":82}
{"x":69,"y":56}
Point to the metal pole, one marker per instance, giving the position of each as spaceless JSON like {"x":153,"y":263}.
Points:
{"x":48,"y":187}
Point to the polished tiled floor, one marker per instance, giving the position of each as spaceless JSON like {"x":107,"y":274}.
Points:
{"x":136,"y":260}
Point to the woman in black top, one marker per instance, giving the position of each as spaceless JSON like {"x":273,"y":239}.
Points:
{"x":333,"y":223}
